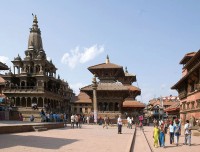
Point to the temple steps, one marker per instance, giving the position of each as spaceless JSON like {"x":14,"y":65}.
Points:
{"x":39,"y":128}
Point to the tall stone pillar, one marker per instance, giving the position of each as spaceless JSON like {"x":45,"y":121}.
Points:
{"x":94,"y":87}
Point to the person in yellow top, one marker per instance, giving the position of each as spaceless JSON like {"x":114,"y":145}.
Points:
{"x":156,"y":135}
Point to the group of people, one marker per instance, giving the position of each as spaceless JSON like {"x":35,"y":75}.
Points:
{"x":78,"y":120}
{"x":174,"y":129}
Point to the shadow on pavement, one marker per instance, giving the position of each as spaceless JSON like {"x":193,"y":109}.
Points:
{"x":8,"y":141}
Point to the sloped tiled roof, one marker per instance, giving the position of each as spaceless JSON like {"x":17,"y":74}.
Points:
{"x":2,"y":81}
{"x":105,"y":66}
{"x":187,"y":57}
{"x":133,"y":88}
{"x":129,"y":74}
{"x":173,"y":107}
{"x":3,"y":66}
{"x":165,"y":102}
{"x":106,"y":86}
{"x":82,"y":98}
{"x":130,"y":103}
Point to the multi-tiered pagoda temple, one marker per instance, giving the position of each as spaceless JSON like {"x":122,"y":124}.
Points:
{"x":34,"y":79}
{"x":115,"y":93}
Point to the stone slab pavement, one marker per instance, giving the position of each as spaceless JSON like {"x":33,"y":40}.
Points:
{"x":141,"y":144}
{"x":90,"y":138}
{"x":195,"y":147}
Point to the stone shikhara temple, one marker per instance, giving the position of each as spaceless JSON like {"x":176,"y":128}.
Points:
{"x":34,"y":79}
{"x":115,"y":93}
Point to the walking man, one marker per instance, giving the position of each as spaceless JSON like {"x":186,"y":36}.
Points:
{"x":171,"y":133}
{"x":177,"y":132}
{"x":187,"y":133}
{"x":119,"y":124}
{"x":72,"y":121}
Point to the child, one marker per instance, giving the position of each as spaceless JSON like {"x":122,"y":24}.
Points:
{"x":155,"y":135}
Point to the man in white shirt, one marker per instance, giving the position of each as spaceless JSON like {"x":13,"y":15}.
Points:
{"x":119,"y":124}
{"x":72,"y":121}
{"x":171,"y":133}
{"x":187,"y":133}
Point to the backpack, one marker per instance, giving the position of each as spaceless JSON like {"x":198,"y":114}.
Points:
{"x":177,"y":130}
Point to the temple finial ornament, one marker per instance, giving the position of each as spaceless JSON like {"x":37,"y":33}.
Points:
{"x":107,"y":59}
{"x":126,"y":70}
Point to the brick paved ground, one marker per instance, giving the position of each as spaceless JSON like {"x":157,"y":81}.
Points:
{"x":141,"y":144}
{"x":91,"y":138}
{"x":195,"y":147}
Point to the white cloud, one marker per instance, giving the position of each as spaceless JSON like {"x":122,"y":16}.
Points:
{"x":6,"y":61}
{"x":163,"y":86}
{"x":77,"y":55}
{"x":76,"y":87}
{"x":48,"y":58}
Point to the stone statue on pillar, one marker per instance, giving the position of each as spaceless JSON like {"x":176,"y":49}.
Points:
{"x":94,"y":87}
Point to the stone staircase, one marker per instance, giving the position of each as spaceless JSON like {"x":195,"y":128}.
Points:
{"x":39,"y":128}
{"x":27,"y":112}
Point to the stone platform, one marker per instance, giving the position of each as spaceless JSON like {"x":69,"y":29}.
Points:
{"x":19,"y":126}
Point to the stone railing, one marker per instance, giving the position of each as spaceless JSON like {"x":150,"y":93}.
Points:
{"x":23,"y":89}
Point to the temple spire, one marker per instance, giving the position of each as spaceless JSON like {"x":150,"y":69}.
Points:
{"x":35,"y":21}
{"x":107,"y":59}
{"x":35,"y":39}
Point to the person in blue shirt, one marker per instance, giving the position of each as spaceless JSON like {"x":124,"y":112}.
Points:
{"x":177,"y":133}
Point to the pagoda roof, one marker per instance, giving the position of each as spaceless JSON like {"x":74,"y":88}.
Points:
{"x":105,"y":66}
{"x":187,"y":57}
{"x":2,"y":81}
{"x":82,"y":98}
{"x":130,"y":103}
{"x":129,"y":74}
{"x":133,"y":88}
{"x":106,"y":87}
{"x":3,"y":66}
{"x":186,"y":76}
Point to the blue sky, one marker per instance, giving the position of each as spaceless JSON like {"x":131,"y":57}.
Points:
{"x":150,"y":37}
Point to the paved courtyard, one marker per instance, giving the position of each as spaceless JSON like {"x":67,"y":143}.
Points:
{"x":90,"y":138}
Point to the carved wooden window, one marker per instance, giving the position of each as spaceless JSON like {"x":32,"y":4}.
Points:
{"x":183,"y":106}
{"x":198,"y":103}
{"x":192,"y":103}
{"x":188,"y":105}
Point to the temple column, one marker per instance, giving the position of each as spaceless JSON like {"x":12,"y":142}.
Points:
{"x":15,"y":101}
{"x":37,"y":101}
{"x":18,"y":69}
{"x":94,"y":87}
{"x":14,"y":69}
{"x":120,"y":107}
{"x":43,"y":102}
{"x":55,"y":75}
{"x":26,"y":101}
{"x":20,"y":101}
